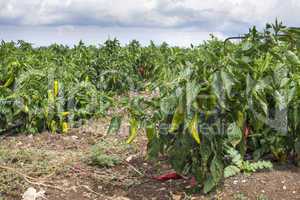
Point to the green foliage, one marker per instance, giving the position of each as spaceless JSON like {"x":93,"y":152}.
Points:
{"x":54,"y":88}
{"x":222,"y":105}
{"x":115,"y":124}
{"x":209,"y":103}
{"x":238,"y":164}
{"x":108,"y":152}
{"x":240,"y":196}
{"x":99,"y":158}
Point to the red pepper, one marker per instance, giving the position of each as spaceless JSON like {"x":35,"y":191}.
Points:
{"x":193,"y":181}
{"x":246,"y":130}
{"x":168,"y":176}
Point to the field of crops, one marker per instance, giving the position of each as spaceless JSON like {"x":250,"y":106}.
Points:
{"x":214,"y":110}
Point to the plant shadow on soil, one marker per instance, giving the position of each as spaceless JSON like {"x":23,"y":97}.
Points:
{"x":88,"y":164}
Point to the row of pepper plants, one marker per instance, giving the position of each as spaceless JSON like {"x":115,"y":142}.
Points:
{"x":219,"y":108}
{"x":232,"y":107}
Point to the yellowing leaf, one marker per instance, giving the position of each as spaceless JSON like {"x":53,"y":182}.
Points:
{"x":26,"y":109}
{"x":64,"y":114}
{"x":65,"y":127}
{"x":193,"y":128}
{"x":133,"y":130}
{"x":50,"y":97}
{"x":55,"y":88}
{"x":9,"y":81}
{"x":177,"y":118}
{"x":53,"y":126}
{"x":240,"y":119}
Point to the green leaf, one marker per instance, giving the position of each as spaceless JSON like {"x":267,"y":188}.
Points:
{"x":168,"y":104}
{"x":150,"y":132}
{"x":154,"y":147}
{"x":209,"y":184}
{"x":133,"y":130}
{"x":297,"y":147}
{"x":291,"y":94}
{"x":234,"y":134}
{"x":247,"y":46}
{"x":266,"y":63}
{"x":228,"y":82}
{"x":280,"y":100}
{"x":292,"y":58}
{"x":231,"y":170}
{"x":114,"y":125}
{"x":216,"y":169}
{"x":240,"y":119}
{"x":235,"y":156}
{"x":192,"y":90}
{"x":222,"y":84}
{"x":217,"y":88}
{"x":262,"y":102}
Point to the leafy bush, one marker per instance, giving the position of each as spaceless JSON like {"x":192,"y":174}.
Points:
{"x":242,"y":97}
{"x":99,"y":158}
{"x":211,"y":106}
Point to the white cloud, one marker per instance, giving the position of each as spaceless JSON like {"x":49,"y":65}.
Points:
{"x":227,"y":17}
{"x":148,"y":13}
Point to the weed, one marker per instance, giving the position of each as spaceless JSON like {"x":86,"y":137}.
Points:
{"x":262,"y":197}
{"x":240,"y":196}
{"x":107,"y":153}
{"x":99,"y":158}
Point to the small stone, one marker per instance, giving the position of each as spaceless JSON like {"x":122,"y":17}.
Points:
{"x":263,"y":191}
{"x":32,"y":194}
{"x":244,"y":181}
{"x":176,"y":197}
{"x":284,"y":187}
{"x":129,"y":158}
{"x":294,"y":192}
{"x":74,"y":137}
{"x":162,"y":189}
{"x":65,"y":183}
{"x":235,"y":182}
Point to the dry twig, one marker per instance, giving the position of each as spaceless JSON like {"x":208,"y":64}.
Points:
{"x":28,"y":179}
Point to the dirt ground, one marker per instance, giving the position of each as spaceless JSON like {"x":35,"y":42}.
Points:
{"x":65,"y":167}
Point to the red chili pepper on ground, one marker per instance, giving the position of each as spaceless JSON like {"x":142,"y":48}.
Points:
{"x":168,"y":176}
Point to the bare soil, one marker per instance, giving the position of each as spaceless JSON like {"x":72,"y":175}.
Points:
{"x":60,"y":165}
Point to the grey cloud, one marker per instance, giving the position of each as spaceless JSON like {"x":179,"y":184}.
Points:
{"x":165,"y":14}
{"x":227,"y":17}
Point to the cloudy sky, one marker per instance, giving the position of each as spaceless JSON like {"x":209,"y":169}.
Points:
{"x":178,"y":22}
